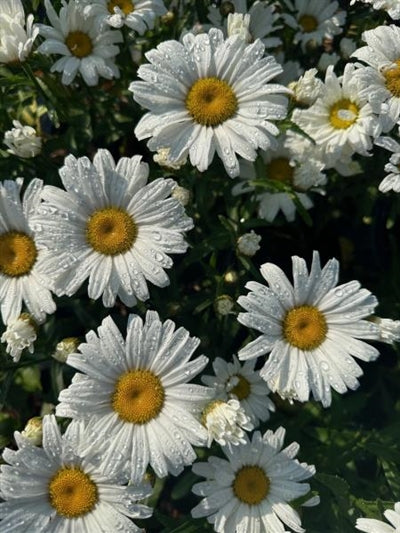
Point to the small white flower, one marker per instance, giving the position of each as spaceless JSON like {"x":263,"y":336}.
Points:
{"x":314,"y":20}
{"x":308,"y":87}
{"x":341,"y":120}
{"x":198,"y":105}
{"x":33,"y":431}
{"x":20,"y":334}
{"x":242,"y":382}
{"x":311,"y":329}
{"x":22,"y":140}
{"x":251,"y":488}
{"x":389,"y":330}
{"x":370,"y":525}
{"x":162,"y":158}
{"x":64,"y":348}
{"x":85,"y":47}
{"x":226,"y":422}
{"x":61,"y":487}
{"x":238,"y":24}
{"x":286,"y":165}
{"x":260,"y":20}
{"x":138,"y":15}
{"x":16,"y":37}
{"x":248,"y":243}
{"x":391,"y":182}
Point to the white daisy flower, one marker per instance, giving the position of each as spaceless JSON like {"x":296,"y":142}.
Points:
{"x":208,"y":94}
{"x":341,"y":119}
{"x":22,"y":141}
{"x":85,"y":47}
{"x":286,"y":166}
{"x":20,"y":334}
{"x":16,"y":34}
{"x":380,"y":81}
{"x":234,"y":380}
{"x":391,"y":182}
{"x":311,"y":329}
{"x":263,"y":20}
{"x":139,"y":15}
{"x":314,"y":20}
{"x":59,"y":489}
{"x":226,"y":422}
{"x":111,"y":227}
{"x":392,"y":7}
{"x":141,"y":409}
{"x":21,"y":257}
{"x":250,"y":490}
{"x":370,"y":525}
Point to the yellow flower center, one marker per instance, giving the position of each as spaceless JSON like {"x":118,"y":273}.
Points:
{"x":111,"y":231}
{"x":308,"y":23}
{"x":343,"y":114}
{"x":242,"y":388}
{"x":72,"y":493}
{"x":279,"y":169}
{"x":79,"y":43}
{"x":251,"y":485}
{"x":392,"y":76}
{"x":211,"y":101}
{"x":18,"y":253}
{"x":304,"y":327}
{"x":126,"y":6}
{"x":138,"y":396}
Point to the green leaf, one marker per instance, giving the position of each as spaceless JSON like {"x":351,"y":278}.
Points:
{"x":392,"y":475}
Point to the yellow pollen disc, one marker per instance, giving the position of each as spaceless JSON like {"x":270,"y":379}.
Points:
{"x":242,"y":389}
{"x":279,"y":169}
{"x":126,"y":6}
{"x":138,"y":396}
{"x":211,"y":101}
{"x":111,"y":231}
{"x":79,"y":43}
{"x":343,"y":114}
{"x":18,"y":253}
{"x":304,"y":327}
{"x":308,"y":23}
{"x":392,"y":76}
{"x":251,"y":485}
{"x":72,"y":493}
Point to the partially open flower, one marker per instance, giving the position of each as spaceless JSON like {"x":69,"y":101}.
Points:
{"x":22,"y":141}
{"x":226,"y":422}
{"x":20,"y":334}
